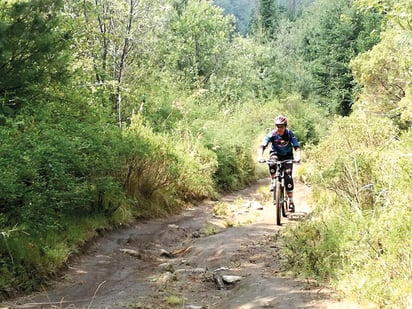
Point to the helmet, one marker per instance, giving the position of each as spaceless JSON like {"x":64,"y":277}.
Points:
{"x":281,"y":120}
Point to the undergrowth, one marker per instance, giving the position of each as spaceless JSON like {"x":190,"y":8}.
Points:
{"x":358,"y":237}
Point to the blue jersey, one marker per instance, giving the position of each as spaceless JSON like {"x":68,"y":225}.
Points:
{"x":281,"y":145}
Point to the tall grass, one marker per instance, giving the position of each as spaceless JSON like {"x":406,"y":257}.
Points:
{"x":358,"y":236}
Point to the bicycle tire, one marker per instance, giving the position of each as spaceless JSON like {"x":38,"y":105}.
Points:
{"x":284,"y":202}
{"x":278,"y":204}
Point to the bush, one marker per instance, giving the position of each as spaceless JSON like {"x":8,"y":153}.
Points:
{"x":52,"y":168}
{"x":161,"y":174}
{"x":359,"y":234}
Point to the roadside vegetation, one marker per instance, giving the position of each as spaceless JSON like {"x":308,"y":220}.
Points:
{"x":359,"y":235}
{"x":117,"y":111}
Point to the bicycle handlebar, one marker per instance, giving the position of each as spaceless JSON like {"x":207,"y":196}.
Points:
{"x":279,"y":162}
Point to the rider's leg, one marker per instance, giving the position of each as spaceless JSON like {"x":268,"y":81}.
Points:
{"x":272,"y":171}
{"x":289,"y":183}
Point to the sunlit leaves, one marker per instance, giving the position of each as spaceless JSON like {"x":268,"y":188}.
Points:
{"x":397,"y":11}
{"x":115,"y":39}
{"x":384,"y":74}
{"x":197,"y":42}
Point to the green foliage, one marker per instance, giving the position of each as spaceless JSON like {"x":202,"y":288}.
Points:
{"x":240,"y":79}
{"x":198,"y":165}
{"x":269,"y":17}
{"x":57,"y":159}
{"x":114,"y":45}
{"x":311,"y":56}
{"x":235,"y":167}
{"x":61,"y":158}
{"x":151,"y":167}
{"x":307,"y":121}
{"x":328,"y":44}
{"x":34,"y":52}
{"x":50,"y":170}
{"x":161,"y":172}
{"x":174,"y":300}
{"x":365,"y":256}
{"x":397,"y":12}
{"x":200,"y":37}
{"x":28,"y":259}
{"x":245,"y":12}
{"x":313,"y":248}
{"x":227,"y":134}
{"x":358,"y":236}
{"x":344,"y":164}
{"x":285,"y":71}
{"x":384,"y":74}
{"x":233,"y":134}
{"x":193,"y":100}
{"x":359,"y":233}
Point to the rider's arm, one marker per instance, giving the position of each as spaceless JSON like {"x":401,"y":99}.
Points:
{"x":261,"y":150}
{"x":297,"y":154}
{"x":263,"y":146}
{"x":296,"y":146}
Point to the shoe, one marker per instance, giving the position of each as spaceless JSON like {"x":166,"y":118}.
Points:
{"x":291,"y":207}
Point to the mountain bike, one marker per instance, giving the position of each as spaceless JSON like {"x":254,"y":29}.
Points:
{"x":280,"y":197}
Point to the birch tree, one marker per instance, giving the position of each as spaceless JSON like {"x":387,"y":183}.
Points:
{"x":117,"y":35}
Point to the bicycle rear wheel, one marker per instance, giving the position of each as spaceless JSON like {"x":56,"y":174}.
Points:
{"x":278,"y":202}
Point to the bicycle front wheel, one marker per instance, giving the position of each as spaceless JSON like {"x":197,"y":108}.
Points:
{"x":284,"y":201}
{"x":278,"y":202}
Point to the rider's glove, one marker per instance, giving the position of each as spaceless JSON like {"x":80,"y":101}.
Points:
{"x":297,"y":159}
{"x":262,"y":160}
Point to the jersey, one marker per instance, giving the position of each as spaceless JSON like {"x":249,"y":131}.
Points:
{"x":283,"y":145}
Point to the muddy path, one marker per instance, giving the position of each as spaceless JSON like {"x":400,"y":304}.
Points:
{"x":189,"y":261}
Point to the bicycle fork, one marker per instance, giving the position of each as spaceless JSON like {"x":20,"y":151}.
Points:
{"x":279,"y":178}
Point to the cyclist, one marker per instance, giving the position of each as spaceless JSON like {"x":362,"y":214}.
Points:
{"x":283,"y":141}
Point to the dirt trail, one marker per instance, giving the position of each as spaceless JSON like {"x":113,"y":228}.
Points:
{"x":182,"y":260}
